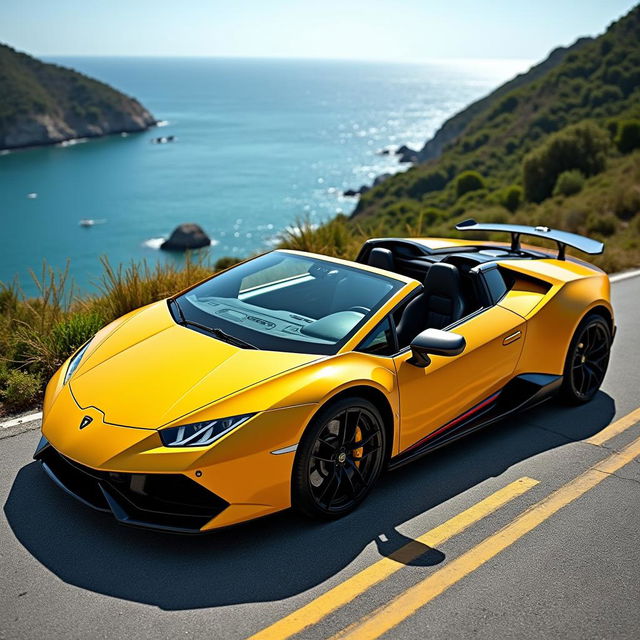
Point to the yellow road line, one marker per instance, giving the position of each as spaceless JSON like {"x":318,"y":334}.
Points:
{"x":615,"y":428}
{"x":346,"y":591}
{"x":407,"y":603}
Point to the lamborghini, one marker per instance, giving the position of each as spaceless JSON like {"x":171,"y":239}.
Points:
{"x":294,"y":379}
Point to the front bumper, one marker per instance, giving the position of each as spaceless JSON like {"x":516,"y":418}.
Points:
{"x":164,"y":501}
{"x":239,"y":469}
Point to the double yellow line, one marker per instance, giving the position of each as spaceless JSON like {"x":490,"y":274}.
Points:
{"x":344,"y":593}
{"x":390,"y":615}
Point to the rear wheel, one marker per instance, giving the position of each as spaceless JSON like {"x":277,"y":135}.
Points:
{"x":587,"y":360}
{"x":340,"y":457}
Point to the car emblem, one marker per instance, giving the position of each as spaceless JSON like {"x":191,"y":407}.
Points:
{"x":86,"y":421}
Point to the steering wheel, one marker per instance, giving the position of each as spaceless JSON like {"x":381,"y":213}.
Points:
{"x":359,"y":309}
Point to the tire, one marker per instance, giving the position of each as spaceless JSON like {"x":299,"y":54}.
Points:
{"x":331,"y":477}
{"x":587,"y":360}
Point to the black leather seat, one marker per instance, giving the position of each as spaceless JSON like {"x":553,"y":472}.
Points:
{"x":381,"y":258}
{"x":440,"y":305}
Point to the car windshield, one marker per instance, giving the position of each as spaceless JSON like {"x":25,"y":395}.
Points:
{"x":286,"y":302}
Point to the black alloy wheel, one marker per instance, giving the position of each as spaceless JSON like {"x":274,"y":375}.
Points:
{"x":339,"y":459}
{"x":587,"y":360}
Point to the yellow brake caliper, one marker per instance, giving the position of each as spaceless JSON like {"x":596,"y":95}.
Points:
{"x":357,"y":453}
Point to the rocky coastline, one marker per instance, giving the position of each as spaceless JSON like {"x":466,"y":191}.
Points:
{"x":46,"y":104}
{"x":43,"y":130}
{"x":453,"y":127}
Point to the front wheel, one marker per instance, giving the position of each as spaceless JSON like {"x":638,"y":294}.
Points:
{"x":340,"y":457}
{"x":587,"y":360}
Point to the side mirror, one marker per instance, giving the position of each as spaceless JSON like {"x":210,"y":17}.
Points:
{"x":437,"y":343}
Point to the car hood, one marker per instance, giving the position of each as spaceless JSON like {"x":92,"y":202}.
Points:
{"x":150,"y":371}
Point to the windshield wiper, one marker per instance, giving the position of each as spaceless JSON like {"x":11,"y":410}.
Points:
{"x":227,"y":337}
{"x":183,"y":320}
{"x":218,"y":333}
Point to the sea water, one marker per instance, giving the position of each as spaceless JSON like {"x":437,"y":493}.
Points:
{"x":259,"y":145}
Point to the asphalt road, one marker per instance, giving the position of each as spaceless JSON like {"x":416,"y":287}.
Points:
{"x":567,"y":568}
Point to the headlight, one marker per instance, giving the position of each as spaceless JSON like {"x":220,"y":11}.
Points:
{"x":74,"y":362}
{"x":201,"y":434}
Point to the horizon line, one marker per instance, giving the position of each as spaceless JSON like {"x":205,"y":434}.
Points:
{"x":286,"y":58}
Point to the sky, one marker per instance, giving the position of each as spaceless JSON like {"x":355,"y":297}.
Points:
{"x":393,"y":30}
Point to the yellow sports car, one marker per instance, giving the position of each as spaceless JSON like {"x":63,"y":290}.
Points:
{"x":295,"y":379}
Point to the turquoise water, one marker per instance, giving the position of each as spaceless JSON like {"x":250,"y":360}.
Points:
{"x":260,"y":143}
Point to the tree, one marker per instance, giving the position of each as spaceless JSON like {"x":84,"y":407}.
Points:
{"x":468,"y":181}
{"x":569,"y":183}
{"x":582,"y":146}
{"x":433,"y":181}
{"x":628,"y":136}
{"x":511,"y":197}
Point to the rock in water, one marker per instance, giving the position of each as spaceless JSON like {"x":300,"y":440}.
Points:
{"x":186,"y":236}
{"x":406,"y":154}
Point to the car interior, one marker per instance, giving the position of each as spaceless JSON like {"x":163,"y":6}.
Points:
{"x":455,"y":284}
{"x":453,"y":288}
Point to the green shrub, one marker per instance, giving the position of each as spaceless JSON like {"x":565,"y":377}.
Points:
{"x":612,"y":128}
{"x":511,"y":197}
{"x":583,"y":146}
{"x":71,"y":333}
{"x":403,"y":209}
{"x":21,"y":390}
{"x":471,"y":144}
{"x":494,"y":214}
{"x":547,"y":123}
{"x":626,"y":202}
{"x":628,"y":136}
{"x":604,"y":224}
{"x":433,"y":215}
{"x":569,"y":183}
{"x":469,"y":181}
{"x":433,"y":181}
{"x":506,"y":105}
{"x":605,"y":95}
{"x":511,"y":145}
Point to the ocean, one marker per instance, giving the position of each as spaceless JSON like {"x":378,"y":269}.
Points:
{"x":260,"y":144}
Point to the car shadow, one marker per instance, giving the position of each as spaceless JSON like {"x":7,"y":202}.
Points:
{"x":282,"y":555}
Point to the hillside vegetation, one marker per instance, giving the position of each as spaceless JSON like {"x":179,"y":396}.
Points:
{"x":44,"y":103}
{"x":560,"y":149}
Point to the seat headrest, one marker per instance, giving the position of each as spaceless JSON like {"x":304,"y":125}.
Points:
{"x":442,"y":277}
{"x":381,"y":259}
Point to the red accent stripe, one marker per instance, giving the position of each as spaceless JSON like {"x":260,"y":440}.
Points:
{"x":455,"y":421}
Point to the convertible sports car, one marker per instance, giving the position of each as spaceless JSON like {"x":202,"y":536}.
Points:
{"x":295,"y":379}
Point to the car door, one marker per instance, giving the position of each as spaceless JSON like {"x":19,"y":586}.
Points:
{"x":430,"y":397}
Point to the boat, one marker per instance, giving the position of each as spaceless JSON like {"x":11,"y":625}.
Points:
{"x":90,"y":222}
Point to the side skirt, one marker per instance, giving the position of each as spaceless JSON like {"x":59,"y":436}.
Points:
{"x":522,"y":392}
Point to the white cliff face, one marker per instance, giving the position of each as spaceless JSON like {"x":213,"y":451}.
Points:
{"x":43,"y":129}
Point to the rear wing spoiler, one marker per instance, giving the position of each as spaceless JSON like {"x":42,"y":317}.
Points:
{"x":562,"y":238}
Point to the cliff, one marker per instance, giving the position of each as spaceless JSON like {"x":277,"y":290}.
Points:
{"x":44,"y":104}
